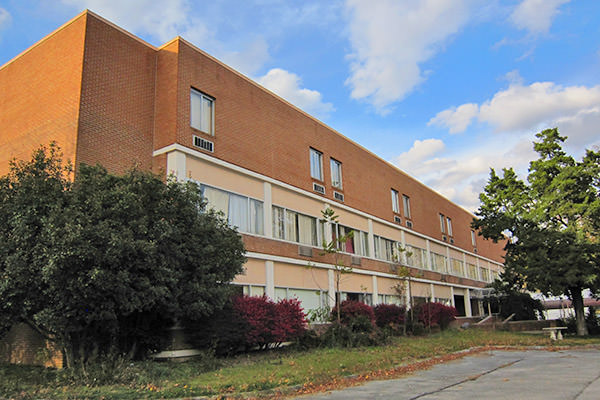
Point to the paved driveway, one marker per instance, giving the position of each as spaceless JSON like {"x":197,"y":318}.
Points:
{"x":561,"y":375}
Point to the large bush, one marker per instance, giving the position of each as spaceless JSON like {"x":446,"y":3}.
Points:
{"x":521,"y":304}
{"x":247,"y":322}
{"x":387,"y":315}
{"x":99,"y":263}
{"x":435,"y":314}
{"x":351,"y":309}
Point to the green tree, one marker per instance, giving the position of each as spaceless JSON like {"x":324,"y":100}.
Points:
{"x":332,"y":248}
{"x":103,"y":263}
{"x":550,"y":223}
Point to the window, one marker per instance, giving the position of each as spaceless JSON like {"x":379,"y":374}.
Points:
{"x":296,"y":227}
{"x":240,"y":211}
{"x":316,"y":164}
{"x":416,"y":256}
{"x":449,"y":223}
{"x":442,"y":223}
{"x":201,"y":112}
{"x":473,"y":241}
{"x":358,"y":244}
{"x":395,"y":201}
{"x":456,"y":267}
{"x":406,"y":204}
{"x":336,"y":174}
{"x":385,"y":249}
{"x":438,"y":262}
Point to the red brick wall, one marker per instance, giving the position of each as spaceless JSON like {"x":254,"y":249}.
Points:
{"x":116,"y":120}
{"x":260,"y":132}
{"x":39,"y":95}
{"x":23,"y":345}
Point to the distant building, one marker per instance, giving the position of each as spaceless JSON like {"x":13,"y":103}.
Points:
{"x":108,"y":97}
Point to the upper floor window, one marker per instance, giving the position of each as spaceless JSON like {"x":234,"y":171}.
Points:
{"x":473,"y":241}
{"x":316,"y":164}
{"x":449,"y":225}
{"x":442,"y":223}
{"x":336,"y":173}
{"x":295,"y":227}
{"x":395,"y":201}
{"x":202,"y":112}
{"x":406,"y":204}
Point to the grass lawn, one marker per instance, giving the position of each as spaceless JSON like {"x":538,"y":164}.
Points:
{"x":312,"y":370}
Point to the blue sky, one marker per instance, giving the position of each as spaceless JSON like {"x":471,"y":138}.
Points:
{"x":444,"y":89}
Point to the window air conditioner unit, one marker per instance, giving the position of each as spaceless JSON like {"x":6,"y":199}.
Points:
{"x":409,"y":224}
{"x":305,"y":251}
{"x":444,"y":238}
{"x":204,"y":144}
{"x":397,"y":219}
{"x":338,"y":196}
{"x":318,"y":188}
{"x":356,"y":260}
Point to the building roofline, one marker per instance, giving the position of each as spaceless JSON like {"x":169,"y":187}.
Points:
{"x":82,"y":14}
{"x":258,"y":85}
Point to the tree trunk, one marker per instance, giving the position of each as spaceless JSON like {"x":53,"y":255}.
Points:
{"x":577,"y":300}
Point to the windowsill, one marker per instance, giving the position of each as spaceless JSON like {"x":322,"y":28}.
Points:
{"x":196,"y":130}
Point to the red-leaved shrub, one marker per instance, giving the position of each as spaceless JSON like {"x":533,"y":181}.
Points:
{"x":435,"y":314}
{"x":269,"y":322}
{"x":350,"y":309}
{"x":388,"y":314}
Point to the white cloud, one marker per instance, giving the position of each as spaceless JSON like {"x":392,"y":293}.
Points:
{"x":391,"y":39}
{"x":5,"y":18}
{"x":288,"y":85}
{"x":527,"y":108}
{"x":456,"y":119}
{"x":164,"y":20}
{"x":536,"y":16}
{"x":461,"y":175}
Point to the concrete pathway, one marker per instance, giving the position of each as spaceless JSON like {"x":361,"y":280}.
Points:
{"x":531,"y":375}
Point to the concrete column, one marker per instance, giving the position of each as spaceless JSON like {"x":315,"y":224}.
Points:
{"x":270,"y":279}
{"x":432,"y":290}
{"x":429,"y":266}
{"x":452,"y":296}
{"x":331,"y":287}
{"x":478,"y":269}
{"x":371,"y":238}
{"x":375,"y":291}
{"x":468,"y":311}
{"x":267,"y":210}
{"x":403,"y":258}
{"x":407,"y":293}
{"x":448,"y":260}
{"x":176,"y":165}
{"x":465,"y":269}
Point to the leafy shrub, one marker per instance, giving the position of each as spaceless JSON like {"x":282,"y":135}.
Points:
{"x":352,"y":335}
{"x":350,"y":309}
{"x":290,"y":321}
{"x":389,"y":315}
{"x":435,"y":314}
{"x":246,"y":322}
{"x":521,"y":304}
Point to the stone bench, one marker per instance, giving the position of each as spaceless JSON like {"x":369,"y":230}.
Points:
{"x":555,"y":332}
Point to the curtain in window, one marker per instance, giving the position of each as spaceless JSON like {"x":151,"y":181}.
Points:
{"x":349,"y":248}
{"x":206,"y":115}
{"x":256,"y":217}
{"x":307,"y":230}
{"x":195,"y":110}
{"x":278,"y":223}
{"x":291,"y":228}
{"x":217,"y":199}
{"x":310,"y":299}
{"x":364,"y":248}
{"x":238,"y":211}
{"x":315,"y":165}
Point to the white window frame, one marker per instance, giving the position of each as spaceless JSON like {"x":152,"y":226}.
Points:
{"x":406,"y":205}
{"x":395,"y":201}
{"x":473,"y":238}
{"x":335,"y":165}
{"x":449,"y":225}
{"x":316,"y":155}
{"x":442,"y":223}
{"x":194,"y":92}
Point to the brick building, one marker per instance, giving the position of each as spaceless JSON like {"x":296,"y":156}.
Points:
{"x":108,"y":97}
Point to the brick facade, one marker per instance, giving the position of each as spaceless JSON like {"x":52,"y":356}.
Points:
{"x":107,"y":97}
